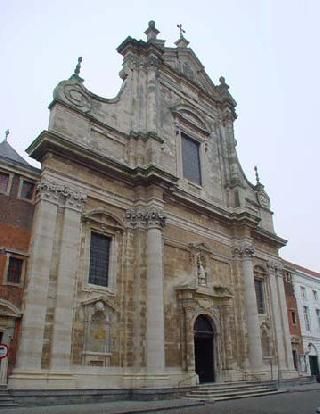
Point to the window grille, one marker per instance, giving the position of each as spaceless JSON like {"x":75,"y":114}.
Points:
{"x":190,"y":159}
{"x":15,"y":267}
{"x":99,"y":259}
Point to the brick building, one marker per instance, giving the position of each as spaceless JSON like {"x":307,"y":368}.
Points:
{"x":17,"y":184}
{"x":293,"y":315}
{"x":154,"y":261}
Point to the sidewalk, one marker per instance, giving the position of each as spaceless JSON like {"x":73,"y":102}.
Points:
{"x":134,"y":407}
{"x":314,"y":386}
{"x":112,"y":407}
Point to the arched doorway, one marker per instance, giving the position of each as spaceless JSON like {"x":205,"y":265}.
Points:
{"x":204,"y":349}
{"x":313,"y":359}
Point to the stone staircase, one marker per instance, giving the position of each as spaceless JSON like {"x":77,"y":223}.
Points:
{"x":6,"y":400}
{"x":232,"y":390}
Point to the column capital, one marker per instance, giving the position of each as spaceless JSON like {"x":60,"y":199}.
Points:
{"x":274,"y":267}
{"x":243,"y":251}
{"x":61,"y":195}
{"x":146,"y":216}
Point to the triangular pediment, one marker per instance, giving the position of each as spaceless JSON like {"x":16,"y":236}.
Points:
{"x":186,"y":63}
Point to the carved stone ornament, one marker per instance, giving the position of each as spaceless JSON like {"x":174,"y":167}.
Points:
{"x":274,"y":267}
{"x":263,"y":199}
{"x":146,"y":216}
{"x":246,"y":251}
{"x":61,"y":194}
{"x":77,"y":97}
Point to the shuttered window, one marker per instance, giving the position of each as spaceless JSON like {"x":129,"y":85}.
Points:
{"x":99,"y":259}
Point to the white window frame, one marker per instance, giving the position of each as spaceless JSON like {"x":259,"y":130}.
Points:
{"x":318,"y":318}
{"x":7,"y":192}
{"x":21,"y":181}
{"x":307,"y":319}
{"x":6,"y":269}
{"x":303,"y":292}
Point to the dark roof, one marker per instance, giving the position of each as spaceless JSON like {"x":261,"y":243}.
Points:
{"x":301,"y":268}
{"x":7,"y":152}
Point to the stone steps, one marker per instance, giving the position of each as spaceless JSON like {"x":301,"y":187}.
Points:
{"x":228,"y":391}
{"x":5,"y":398}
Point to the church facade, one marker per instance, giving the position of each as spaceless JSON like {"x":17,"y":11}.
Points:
{"x":153,"y":260}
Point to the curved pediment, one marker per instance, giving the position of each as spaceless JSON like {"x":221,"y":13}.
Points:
{"x":8,"y":309}
{"x":191,"y":116}
{"x":102,"y":216}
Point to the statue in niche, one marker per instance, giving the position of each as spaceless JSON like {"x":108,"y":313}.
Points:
{"x":99,"y":330}
{"x":201,"y":273}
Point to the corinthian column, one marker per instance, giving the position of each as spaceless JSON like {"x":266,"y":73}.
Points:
{"x":154,"y":221}
{"x":251,"y":309}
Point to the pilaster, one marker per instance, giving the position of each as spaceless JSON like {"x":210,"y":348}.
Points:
{"x":66,"y":272}
{"x":33,"y":323}
{"x":153,"y":221}
{"x":283,"y":337}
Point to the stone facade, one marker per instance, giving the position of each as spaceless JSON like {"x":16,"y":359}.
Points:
{"x":193,"y":265}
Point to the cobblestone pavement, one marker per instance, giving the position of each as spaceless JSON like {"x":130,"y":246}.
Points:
{"x":304,"y":400}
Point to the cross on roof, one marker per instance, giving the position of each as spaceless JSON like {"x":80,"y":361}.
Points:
{"x":181,"y":30}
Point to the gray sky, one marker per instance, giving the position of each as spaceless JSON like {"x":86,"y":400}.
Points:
{"x":268,"y":51}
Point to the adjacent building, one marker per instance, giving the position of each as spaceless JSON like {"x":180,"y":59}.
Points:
{"x":17,"y":190}
{"x":293,"y":317}
{"x":307,"y":292}
{"x":154,"y":262}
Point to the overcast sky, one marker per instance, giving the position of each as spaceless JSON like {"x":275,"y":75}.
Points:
{"x":268,"y":51}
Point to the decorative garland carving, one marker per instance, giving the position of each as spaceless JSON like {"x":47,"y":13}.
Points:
{"x":146,"y":216}
{"x":61,"y":194}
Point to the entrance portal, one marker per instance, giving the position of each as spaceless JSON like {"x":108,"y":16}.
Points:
{"x":203,"y":349}
{"x":314,"y":367}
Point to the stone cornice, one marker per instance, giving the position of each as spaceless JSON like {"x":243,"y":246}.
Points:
{"x":265,"y":235}
{"x":51,"y":142}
